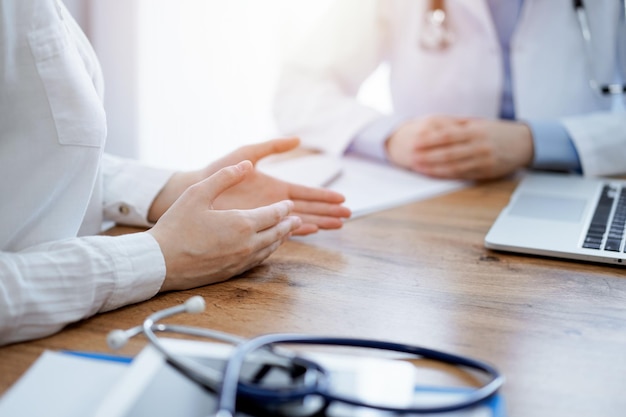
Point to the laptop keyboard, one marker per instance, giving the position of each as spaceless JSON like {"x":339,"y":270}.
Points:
{"x":606,"y":231}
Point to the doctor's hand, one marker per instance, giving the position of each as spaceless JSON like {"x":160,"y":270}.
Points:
{"x":317,"y":207}
{"x":203,"y":246}
{"x":461,"y":148}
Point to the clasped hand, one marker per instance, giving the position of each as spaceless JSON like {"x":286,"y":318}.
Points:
{"x":461,"y":148}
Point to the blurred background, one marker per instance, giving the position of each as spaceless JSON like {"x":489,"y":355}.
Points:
{"x":189,"y":80}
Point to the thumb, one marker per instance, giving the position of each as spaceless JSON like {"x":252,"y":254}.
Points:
{"x":207,"y":190}
{"x":259,"y":151}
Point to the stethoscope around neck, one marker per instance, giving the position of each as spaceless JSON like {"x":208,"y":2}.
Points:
{"x":311,"y":395}
{"x":437,"y":35}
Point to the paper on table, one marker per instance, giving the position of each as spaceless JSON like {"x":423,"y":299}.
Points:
{"x":368,"y":186}
{"x":317,"y":170}
{"x":61,"y":385}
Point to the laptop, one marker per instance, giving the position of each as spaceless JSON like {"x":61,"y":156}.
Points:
{"x":564,"y":216}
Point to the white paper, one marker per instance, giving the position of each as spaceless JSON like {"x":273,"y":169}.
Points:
{"x":368,"y":186}
{"x":61,"y":385}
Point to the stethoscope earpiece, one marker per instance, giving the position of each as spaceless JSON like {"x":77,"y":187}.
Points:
{"x":117,"y":339}
{"x":195,"y":305}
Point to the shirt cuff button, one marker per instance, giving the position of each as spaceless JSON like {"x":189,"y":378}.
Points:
{"x":124,"y":209}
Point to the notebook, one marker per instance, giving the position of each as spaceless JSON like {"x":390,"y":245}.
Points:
{"x":564,"y":216}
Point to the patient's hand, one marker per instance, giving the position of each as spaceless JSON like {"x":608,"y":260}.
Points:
{"x":203,"y":246}
{"x":317,"y":207}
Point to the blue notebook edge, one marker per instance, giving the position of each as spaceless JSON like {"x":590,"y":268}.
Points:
{"x":99,"y":356}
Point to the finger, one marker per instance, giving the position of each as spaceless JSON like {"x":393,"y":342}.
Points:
{"x":262,"y":254}
{"x":321,"y":222}
{"x":207,"y":190}
{"x":469,"y":168}
{"x":306,"y":229}
{"x":443,"y":136}
{"x":437,"y":121}
{"x":269,"y":216}
{"x":259,"y":151}
{"x":320,"y":209}
{"x":278,"y":233}
{"x":254,"y":259}
{"x":448,"y":154}
{"x":302,"y":192}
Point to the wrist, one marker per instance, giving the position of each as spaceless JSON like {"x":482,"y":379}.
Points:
{"x":526,"y":142}
{"x":170,"y":192}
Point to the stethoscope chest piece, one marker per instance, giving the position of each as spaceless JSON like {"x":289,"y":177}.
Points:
{"x":435,"y":34}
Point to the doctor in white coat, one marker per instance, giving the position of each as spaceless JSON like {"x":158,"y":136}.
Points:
{"x":508,"y":84}
{"x":57,"y":187}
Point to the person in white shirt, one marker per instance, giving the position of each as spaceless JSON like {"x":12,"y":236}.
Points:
{"x":479,"y":88}
{"x":57,"y":187}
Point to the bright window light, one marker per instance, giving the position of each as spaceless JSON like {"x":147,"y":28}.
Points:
{"x":206,"y":72}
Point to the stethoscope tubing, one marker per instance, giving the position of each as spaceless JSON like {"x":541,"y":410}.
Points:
{"x":227,"y":396}
{"x":444,"y":38}
{"x":211,"y":379}
{"x":228,"y":387}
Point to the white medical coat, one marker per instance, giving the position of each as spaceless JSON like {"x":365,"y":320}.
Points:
{"x":317,"y":91}
{"x":55,"y":183}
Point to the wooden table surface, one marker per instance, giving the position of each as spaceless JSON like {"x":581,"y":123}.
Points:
{"x":419,"y":274}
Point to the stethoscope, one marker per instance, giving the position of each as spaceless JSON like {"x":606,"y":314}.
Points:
{"x":309,"y":394}
{"x":583,"y":22}
{"x":436,"y":34}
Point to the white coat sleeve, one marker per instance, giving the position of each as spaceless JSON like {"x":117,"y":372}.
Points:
{"x":600,"y":139}
{"x":320,"y":78}
{"x":45,"y":287}
{"x":129,"y":189}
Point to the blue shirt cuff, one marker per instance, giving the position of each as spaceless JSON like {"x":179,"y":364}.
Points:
{"x":553,"y":147}
{"x":370,"y":141}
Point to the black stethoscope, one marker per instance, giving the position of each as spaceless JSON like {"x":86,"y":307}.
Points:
{"x":436,"y":34}
{"x":583,"y":22}
{"x":309,"y":394}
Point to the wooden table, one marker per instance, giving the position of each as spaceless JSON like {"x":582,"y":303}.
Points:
{"x":419,"y":274}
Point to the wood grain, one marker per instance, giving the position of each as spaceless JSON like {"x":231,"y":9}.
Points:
{"x":419,"y":274}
